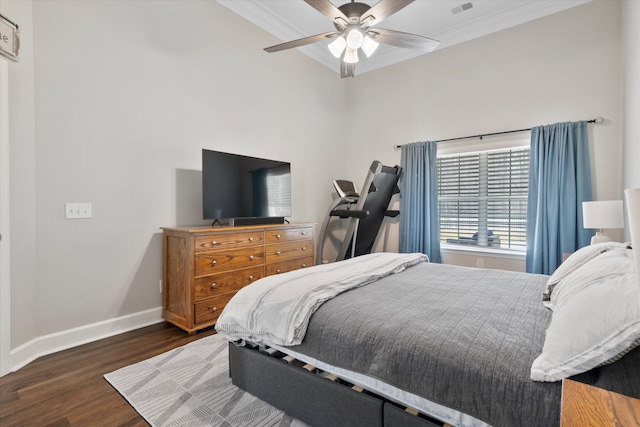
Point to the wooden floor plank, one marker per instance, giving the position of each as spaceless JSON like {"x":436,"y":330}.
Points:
{"x":68,"y":389}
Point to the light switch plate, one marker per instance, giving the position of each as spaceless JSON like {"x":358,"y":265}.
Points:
{"x":77,"y":210}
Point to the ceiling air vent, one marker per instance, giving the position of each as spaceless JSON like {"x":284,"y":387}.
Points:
{"x":462,"y":8}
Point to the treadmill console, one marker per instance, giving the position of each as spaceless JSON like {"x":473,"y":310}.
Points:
{"x":345,"y":188}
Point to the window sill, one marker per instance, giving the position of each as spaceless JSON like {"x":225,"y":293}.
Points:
{"x":496,"y":253}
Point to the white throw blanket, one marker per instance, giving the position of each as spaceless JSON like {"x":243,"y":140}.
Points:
{"x":276,"y":309}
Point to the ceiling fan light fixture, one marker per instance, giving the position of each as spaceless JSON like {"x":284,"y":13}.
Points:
{"x":369,"y":46}
{"x":355,"y":38}
{"x":351,"y":56}
{"x":337,"y":46}
{"x":356,"y":24}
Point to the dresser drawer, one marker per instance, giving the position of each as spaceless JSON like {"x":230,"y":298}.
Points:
{"x":225,"y":241}
{"x":287,"y":251}
{"x":223,"y":283}
{"x":217,"y":262}
{"x":283,"y":267}
{"x":288,"y":234}
{"x":210,"y":309}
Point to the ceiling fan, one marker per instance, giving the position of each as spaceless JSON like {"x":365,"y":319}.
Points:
{"x":354,"y":23}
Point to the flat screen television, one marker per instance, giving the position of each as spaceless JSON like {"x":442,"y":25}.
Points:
{"x":245,"y":190}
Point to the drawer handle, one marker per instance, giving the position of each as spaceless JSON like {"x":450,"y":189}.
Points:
{"x":214,"y":309}
{"x":250,"y":277}
{"x":214,"y":262}
{"x":251,"y":257}
{"x":213,"y":285}
{"x":251,"y":239}
{"x":214,"y":243}
{"x":304,"y":265}
{"x":277,"y":236}
{"x":278,"y":271}
{"x":303,"y":233}
{"x":278,"y":253}
{"x":304,"y":248}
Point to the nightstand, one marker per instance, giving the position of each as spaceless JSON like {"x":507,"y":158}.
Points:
{"x":585,"y":406}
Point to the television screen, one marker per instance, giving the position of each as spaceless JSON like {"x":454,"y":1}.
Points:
{"x":235,"y":186}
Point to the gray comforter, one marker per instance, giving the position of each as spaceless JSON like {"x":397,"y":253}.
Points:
{"x":463,"y":338}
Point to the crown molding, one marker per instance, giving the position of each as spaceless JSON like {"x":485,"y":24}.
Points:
{"x":260,"y":14}
{"x":517,"y":14}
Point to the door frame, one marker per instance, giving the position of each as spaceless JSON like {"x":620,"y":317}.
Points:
{"x":5,"y":248}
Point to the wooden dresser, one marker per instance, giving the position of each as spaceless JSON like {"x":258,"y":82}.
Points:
{"x":204,"y":267}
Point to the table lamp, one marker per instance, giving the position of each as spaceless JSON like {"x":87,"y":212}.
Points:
{"x":600,"y":215}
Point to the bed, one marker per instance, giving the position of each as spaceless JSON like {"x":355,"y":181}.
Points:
{"x":425,"y":344}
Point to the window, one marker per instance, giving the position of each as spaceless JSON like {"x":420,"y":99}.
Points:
{"x":482,"y":198}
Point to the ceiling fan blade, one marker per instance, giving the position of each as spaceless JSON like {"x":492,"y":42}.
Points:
{"x":405,"y":40}
{"x":328,"y":9}
{"x":382,"y":10}
{"x":300,"y":42}
{"x":347,"y":70}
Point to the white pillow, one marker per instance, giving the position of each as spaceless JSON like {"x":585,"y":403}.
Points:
{"x":575,"y":261}
{"x":596,"y":318}
{"x":606,"y":265}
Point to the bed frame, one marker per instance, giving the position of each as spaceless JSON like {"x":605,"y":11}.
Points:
{"x":312,"y":396}
{"x":321,"y":399}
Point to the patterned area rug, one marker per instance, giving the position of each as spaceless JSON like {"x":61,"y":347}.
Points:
{"x":190,"y":386}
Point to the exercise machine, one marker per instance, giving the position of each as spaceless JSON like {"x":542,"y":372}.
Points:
{"x":364,"y":213}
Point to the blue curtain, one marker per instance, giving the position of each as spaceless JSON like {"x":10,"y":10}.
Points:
{"x":419,"y":223}
{"x":559,"y":181}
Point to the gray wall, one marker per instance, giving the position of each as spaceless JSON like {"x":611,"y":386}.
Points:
{"x":631,"y":94}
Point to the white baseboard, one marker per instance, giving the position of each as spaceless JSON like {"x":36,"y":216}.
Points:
{"x":63,"y":340}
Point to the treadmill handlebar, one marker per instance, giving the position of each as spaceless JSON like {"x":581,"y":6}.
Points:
{"x":344,"y":213}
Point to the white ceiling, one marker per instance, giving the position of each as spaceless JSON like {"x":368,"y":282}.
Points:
{"x":294,"y":19}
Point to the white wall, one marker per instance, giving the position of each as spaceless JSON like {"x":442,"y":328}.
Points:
{"x":127,"y":93}
{"x":631,"y":94}
{"x":23,"y":206}
{"x":564,"y":67}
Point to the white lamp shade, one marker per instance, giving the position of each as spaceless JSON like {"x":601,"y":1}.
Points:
{"x":369,"y":46}
{"x":337,"y":46}
{"x":351,"y":56}
{"x":603,"y":214}
{"x":354,"y":38}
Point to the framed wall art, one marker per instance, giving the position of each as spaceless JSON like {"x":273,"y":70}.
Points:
{"x":9,"y":39}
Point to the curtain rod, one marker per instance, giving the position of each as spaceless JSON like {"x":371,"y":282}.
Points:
{"x":597,"y":120}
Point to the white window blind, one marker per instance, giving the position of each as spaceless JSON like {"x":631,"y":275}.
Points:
{"x":482,"y":198}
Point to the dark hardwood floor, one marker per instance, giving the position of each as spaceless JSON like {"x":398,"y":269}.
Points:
{"x":67,"y":388}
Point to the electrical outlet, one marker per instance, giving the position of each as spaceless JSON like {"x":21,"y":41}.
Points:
{"x":78,"y":210}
